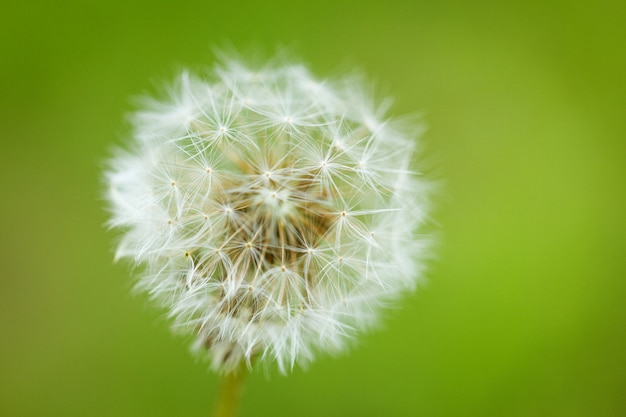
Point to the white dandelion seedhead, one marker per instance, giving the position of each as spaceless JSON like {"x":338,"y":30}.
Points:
{"x":271,"y":213}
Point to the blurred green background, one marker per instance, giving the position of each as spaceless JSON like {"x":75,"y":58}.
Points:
{"x":524,"y":312}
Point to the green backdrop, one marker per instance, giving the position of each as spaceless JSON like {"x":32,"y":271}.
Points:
{"x":524,"y":311}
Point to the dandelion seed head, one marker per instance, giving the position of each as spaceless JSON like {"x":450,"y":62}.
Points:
{"x":271,"y":214}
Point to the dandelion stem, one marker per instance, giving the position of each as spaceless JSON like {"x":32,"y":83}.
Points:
{"x":227,"y":404}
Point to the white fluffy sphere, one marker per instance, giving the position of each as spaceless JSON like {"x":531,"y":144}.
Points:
{"x":271,"y":213}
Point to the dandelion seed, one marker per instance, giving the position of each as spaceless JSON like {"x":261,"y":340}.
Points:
{"x":292,"y":201}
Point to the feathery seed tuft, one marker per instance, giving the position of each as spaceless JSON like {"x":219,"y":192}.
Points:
{"x":272,"y":213}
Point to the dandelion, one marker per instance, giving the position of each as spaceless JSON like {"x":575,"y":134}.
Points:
{"x":272,"y":214}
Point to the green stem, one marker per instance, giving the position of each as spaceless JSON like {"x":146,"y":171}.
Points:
{"x":230,"y":394}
